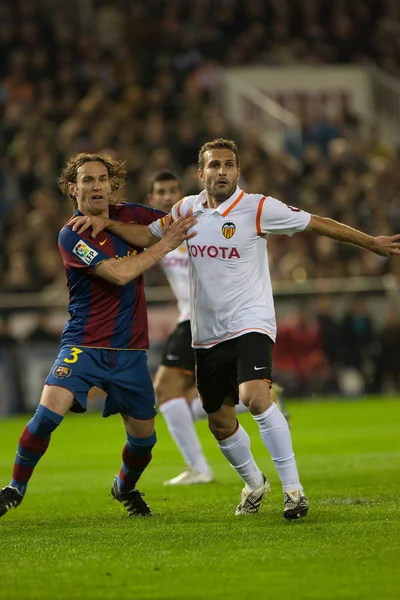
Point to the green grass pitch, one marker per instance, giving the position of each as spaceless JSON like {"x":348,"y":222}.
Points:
{"x":70,"y":540}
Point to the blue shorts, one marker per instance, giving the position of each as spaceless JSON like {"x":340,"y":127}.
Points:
{"x":122,"y":374}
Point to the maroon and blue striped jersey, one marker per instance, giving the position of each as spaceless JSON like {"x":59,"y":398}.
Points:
{"x":104,"y":315}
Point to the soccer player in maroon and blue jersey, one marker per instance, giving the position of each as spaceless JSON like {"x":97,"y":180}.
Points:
{"x":105,"y":340}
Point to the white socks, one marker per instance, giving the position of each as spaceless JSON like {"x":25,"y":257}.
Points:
{"x":180,"y":424}
{"x":199,"y":413}
{"x":276,"y":436}
{"x":236,"y":449}
{"x":274,"y":432}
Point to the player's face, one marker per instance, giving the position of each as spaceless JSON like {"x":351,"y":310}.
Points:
{"x":92,"y":189}
{"x":165,"y":194}
{"x":220,"y":174}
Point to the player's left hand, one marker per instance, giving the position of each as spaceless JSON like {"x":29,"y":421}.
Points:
{"x":386,"y":245}
{"x":80,"y":224}
{"x":174,"y":234}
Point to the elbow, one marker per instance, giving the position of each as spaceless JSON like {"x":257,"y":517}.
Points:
{"x":120,"y":280}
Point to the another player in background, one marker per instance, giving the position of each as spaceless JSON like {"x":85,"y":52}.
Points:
{"x":174,"y":382}
{"x":104,"y":342}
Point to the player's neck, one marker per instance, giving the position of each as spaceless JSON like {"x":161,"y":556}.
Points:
{"x":212,"y":202}
{"x":94,"y":213}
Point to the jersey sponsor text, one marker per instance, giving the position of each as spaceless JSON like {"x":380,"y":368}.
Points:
{"x":212,"y":251}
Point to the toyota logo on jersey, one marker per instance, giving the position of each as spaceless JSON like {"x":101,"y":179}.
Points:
{"x":228,"y":229}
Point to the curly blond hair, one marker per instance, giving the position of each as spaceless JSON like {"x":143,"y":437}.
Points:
{"x":116,"y":172}
{"x":218,"y":144}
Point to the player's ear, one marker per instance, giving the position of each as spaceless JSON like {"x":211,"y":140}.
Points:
{"x":72,"y":188}
{"x":200,"y":173}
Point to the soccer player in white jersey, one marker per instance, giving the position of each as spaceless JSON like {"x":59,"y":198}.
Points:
{"x":174,"y":382}
{"x":232,"y":311}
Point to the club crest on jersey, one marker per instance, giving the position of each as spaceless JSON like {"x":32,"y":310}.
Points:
{"x":84,"y":252}
{"x":228,"y":229}
{"x":62,"y":371}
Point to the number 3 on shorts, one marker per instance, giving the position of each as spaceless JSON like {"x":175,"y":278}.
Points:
{"x":74,"y":355}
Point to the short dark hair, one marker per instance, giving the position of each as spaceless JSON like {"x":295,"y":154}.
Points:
{"x":217,"y":144}
{"x":163,"y":175}
{"x":116,"y":172}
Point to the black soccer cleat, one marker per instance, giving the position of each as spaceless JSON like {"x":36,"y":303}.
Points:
{"x":9,"y":498}
{"x":133,"y":501}
{"x":295,"y":505}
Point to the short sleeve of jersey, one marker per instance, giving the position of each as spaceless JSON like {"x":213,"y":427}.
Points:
{"x":144,"y":215}
{"x":78,"y":253}
{"x":278,"y":217}
{"x":176,"y":212}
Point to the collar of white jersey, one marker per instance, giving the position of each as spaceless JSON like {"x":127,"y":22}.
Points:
{"x":224,"y":208}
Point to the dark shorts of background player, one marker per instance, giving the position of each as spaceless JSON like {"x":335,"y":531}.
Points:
{"x":221,"y":369}
{"x":178,"y":352}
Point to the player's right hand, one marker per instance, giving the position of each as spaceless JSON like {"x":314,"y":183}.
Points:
{"x":80,"y":224}
{"x":176,"y":233}
{"x":386,"y":245}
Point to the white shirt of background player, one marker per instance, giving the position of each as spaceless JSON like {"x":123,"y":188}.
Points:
{"x":176,"y":268}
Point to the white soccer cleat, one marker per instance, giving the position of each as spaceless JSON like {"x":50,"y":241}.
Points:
{"x":251,"y":499}
{"x":191,"y":477}
{"x":295,"y":505}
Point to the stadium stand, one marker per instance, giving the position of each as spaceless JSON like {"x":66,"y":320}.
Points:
{"x":116,"y":77}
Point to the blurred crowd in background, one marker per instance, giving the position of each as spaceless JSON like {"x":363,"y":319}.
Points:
{"x":139,"y":80}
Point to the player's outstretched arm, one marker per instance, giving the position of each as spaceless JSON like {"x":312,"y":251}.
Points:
{"x":135,"y":235}
{"x":123,"y":271}
{"x":383,"y":245}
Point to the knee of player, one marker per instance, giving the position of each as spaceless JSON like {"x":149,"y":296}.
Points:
{"x":256,"y":402}
{"x":168,"y":388}
{"x":221,"y":429}
{"x":162,"y":392}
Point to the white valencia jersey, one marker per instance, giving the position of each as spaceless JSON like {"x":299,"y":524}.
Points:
{"x":176,"y":268}
{"x":230,"y":283}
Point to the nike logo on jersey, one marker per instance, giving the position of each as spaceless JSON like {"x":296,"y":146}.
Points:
{"x":103,"y":242}
{"x":172,"y":357}
{"x":259,"y":368}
